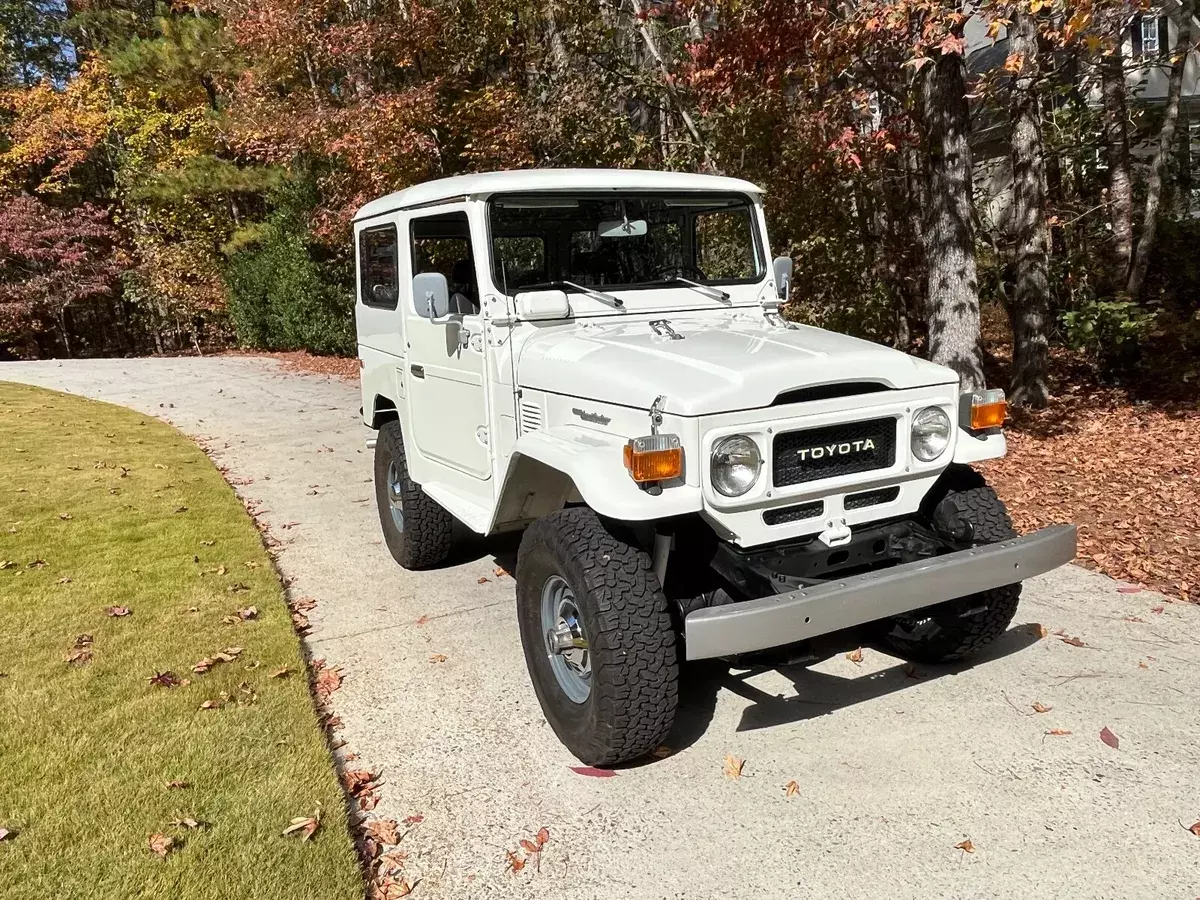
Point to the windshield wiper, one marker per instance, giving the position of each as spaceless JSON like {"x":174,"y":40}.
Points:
{"x":594,"y":294}
{"x":712,"y":292}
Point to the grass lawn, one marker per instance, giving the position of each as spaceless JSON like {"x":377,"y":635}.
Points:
{"x":101,"y":507}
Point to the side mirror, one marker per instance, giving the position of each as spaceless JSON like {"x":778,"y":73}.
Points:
{"x":431,"y":295}
{"x":543,"y":305}
{"x":783,"y":276}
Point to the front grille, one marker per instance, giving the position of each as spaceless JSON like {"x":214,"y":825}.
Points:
{"x":871,"y":498}
{"x":833,"y":450}
{"x":786,"y":514}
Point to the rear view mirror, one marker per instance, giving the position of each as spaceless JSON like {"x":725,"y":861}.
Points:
{"x":783,"y":275}
{"x":431,"y":295}
{"x":616,"y":228}
{"x":543,"y":305}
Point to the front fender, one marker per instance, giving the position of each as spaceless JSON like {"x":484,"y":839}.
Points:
{"x":549,"y":467}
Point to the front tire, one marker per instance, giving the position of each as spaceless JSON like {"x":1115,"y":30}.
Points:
{"x":417,"y":531}
{"x":956,"y":629}
{"x":581,"y":586}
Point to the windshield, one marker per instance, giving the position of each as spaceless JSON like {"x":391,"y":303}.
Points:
{"x":635,"y":240}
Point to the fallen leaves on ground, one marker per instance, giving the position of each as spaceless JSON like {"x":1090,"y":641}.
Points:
{"x":305,"y":825}
{"x":229,"y":654}
{"x":1194,"y":828}
{"x":855,"y":656}
{"x":186,"y":822}
{"x":965,"y":846}
{"x":5,"y":834}
{"x":328,"y":679}
{"x":161,"y":844}
{"x":1125,"y":473}
{"x":515,"y":862}
{"x":1058,"y":732}
{"x":791,"y":789}
{"x":421,"y":620}
{"x":1073,"y":641}
{"x":245,"y":614}
{"x":733,"y":766}
{"x":500,"y":571}
{"x":118,"y":612}
{"x":1038,"y":630}
{"x":482,"y":579}
{"x":1109,"y":738}
{"x":164,"y":679}
{"x":385,"y":831}
{"x":281,"y":672}
{"x":592,"y":771}
{"x":661,"y":752}
{"x":1040,"y":707}
{"x":178,"y":784}
{"x":438,"y":658}
{"x":81,"y":651}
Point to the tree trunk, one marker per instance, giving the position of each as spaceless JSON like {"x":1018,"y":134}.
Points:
{"x":1030,"y":301}
{"x":1120,"y":181}
{"x":952,"y":294}
{"x":1162,"y":154}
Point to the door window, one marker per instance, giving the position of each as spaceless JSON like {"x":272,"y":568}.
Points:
{"x":377,"y":259}
{"x":443,"y":244}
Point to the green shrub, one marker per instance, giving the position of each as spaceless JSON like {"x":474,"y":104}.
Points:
{"x":282,"y":294}
{"x":1110,"y":331}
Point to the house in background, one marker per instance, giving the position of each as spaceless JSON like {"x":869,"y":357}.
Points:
{"x":1148,"y":41}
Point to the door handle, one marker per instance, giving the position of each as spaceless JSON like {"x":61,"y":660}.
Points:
{"x":417,"y":371}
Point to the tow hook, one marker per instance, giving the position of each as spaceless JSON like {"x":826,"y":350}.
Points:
{"x":836,"y":533}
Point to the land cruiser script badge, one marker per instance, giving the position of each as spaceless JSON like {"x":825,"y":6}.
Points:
{"x":845,"y":448}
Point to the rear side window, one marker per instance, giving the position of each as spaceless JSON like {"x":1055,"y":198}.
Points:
{"x":377,"y":263}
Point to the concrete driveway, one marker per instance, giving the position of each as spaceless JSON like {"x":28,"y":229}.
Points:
{"x":893,"y":770}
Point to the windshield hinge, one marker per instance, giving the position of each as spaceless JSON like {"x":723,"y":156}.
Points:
{"x":656,"y":409}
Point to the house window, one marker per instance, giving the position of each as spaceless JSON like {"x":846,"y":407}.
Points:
{"x":377,"y":257}
{"x":1150,"y":36}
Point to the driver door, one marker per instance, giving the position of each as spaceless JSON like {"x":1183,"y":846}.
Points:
{"x":446,"y":387}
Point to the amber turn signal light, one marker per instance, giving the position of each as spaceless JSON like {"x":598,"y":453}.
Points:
{"x":656,"y":457}
{"x":988,"y":409}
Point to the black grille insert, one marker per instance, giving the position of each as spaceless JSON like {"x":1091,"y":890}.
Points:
{"x":828,"y":392}
{"x":833,"y":450}
{"x":871,"y":498}
{"x":786,"y":514}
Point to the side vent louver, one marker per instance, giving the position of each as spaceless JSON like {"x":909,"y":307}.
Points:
{"x":531,"y":417}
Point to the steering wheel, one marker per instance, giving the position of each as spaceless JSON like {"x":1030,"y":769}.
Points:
{"x":682,"y":268}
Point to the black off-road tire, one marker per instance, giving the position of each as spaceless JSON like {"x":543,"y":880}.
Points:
{"x":426,"y":537}
{"x":634,"y":688}
{"x":958,"y":628}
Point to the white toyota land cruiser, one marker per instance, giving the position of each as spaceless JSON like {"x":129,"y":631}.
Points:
{"x":597,"y":357}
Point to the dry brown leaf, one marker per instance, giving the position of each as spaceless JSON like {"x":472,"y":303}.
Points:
{"x":66,"y":579}
{"x":247,"y":613}
{"x":164,"y":679}
{"x":118,"y":612}
{"x":1194,"y":828}
{"x":5,"y":834}
{"x":733,"y":766}
{"x":482,"y":579}
{"x":438,"y":658}
{"x":66,"y":517}
{"x":1109,"y":738}
{"x":543,"y":836}
{"x":1073,"y":641}
{"x":791,"y":789}
{"x":161,"y":844}
{"x":661,"y":752}
{"x":965,"y":846}
{"x":855,"y":656}
{"x":211,"y":704}
{"x":281,"y":672}
{"x":80,"y":656}
{"x":421,"y":620}
{"x":499,"y":571}
{"x":186,"y":822}
{"x":179,"y":784}
{"x":385,"y":831}
{"x":529,"y":846}
{"x":327,"y":681}
{"x":515,"y":863}
{"x":1142,"y":665}
{"x":305,"y":825}
{"x":1040,"y":707}
{"x":221,"y":570}
{"x":1058,"y":732}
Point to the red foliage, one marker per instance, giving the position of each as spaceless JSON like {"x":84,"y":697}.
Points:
{"x":49,"y":259}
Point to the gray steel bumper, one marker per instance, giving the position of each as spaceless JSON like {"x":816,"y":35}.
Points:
{"x":797,"y":615}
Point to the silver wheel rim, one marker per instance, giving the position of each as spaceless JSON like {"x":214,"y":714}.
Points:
{"x":566,"y":641}
{"x":395,"y":501}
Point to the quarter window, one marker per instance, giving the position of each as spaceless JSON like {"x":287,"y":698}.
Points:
{"x":378,"y":272}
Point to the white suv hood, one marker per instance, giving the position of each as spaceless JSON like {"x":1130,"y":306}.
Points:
{"x":720,"y":363}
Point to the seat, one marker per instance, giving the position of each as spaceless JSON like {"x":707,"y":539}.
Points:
{"x":464,"y":298}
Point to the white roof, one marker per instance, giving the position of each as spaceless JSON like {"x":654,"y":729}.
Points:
{"x":551,"y":180}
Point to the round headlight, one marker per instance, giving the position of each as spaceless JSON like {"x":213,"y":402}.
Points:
{"x":930,"y":433}
{"x":736,"y":464}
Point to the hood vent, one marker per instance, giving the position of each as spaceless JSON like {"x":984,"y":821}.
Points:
{"x":829,"y":392}
{"x":531,"y":417}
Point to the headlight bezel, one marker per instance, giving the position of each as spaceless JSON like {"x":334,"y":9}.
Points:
{"x":936,"y":420}
{"x":721,"y":447}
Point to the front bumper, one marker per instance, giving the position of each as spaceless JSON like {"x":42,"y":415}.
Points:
{"x":843,"y":603}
